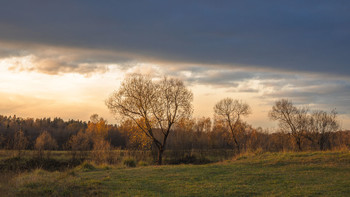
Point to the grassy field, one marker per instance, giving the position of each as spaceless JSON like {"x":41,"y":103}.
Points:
{"x":265,"y":174}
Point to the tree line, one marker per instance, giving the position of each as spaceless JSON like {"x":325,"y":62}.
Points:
{"x":156,"y":115}
{"x":195,"y":133}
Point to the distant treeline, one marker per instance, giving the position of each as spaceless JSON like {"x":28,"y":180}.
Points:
{"x":199,"y":133}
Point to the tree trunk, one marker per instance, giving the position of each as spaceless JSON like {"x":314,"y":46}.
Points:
{"x":160,"y":155}
{"x":322,"y":142}
{"x":238,"y":147}
{"x":299,"y":144}
{"x":235,"y":141}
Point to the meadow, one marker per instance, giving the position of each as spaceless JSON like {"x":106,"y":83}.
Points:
{"x":249,"y":174}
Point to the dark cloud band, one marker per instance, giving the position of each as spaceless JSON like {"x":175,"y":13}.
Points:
{"x":304,"y":36}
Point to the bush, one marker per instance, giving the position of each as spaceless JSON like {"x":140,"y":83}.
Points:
{"x":142,"y":163}
{"x":129,"y":162}
{"x":86,"y":166}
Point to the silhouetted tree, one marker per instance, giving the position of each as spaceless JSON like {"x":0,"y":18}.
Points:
{"x":230,"y":111}
{"x":152,"y":105}
{"x":291,"y":119}
{"x":323,"y":124}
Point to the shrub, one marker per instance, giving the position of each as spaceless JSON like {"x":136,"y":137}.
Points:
{"x":129,"y":162}
{"x":142,"y":163}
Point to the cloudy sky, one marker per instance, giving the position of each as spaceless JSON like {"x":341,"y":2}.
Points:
{"x":63,"y":58}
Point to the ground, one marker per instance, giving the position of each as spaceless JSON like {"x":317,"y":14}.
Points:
{"x":259,"y":174}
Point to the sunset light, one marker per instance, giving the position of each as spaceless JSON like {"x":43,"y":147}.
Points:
{"x":123,"y":84}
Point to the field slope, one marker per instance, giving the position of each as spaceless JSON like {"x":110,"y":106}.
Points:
{"x":267,"y":174}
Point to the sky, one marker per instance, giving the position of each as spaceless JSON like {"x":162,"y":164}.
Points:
{"x":64,"y":58}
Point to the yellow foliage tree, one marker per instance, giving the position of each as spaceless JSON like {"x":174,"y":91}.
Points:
{"x":44,"y":142}
{"x":137,"y":138}
{"x":98,"y":129}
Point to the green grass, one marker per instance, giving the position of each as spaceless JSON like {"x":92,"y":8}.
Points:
{"x":265,"y":174}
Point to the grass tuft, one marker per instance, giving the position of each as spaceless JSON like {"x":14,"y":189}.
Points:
{"x":87,"y":166}
{"x":129,"y":162}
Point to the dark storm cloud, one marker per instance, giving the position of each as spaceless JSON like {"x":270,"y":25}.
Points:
{"x":312,"y":36}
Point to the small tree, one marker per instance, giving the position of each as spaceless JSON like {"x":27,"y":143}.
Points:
{"x":323,"y":124}
{"x":44,"y":142}
{"x":20,"y":142}
{"x":152,"y":106}
{"x":291,"y":119}
{"x":98,"y":130}
{"x":80,"y":144}
{"x":230,"y":111}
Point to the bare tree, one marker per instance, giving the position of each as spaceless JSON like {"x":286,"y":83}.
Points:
{"x":152,"y":105}
{"x":323,"y":124}
{"x":291,"y":119}
{"x":230,"y":111}
{"x":203,"y":124}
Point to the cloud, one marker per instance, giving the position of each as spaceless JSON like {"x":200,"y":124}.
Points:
{"x":52,"y":66}
{"x":55,"y":60}
{"x":296,"y":36}
{"x":317,"y":90}
{"x":228,"y":77}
